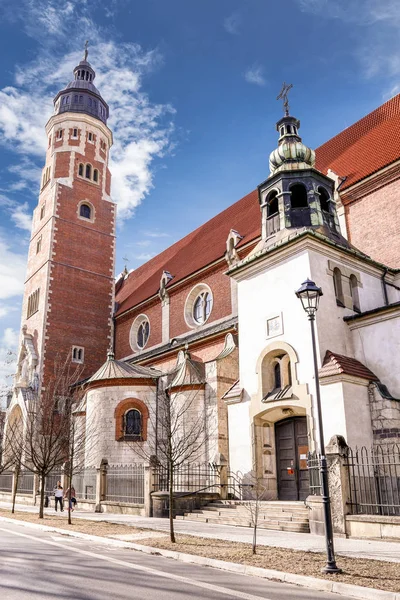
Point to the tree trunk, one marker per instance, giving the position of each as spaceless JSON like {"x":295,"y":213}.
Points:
{"x":171,"y":504}
{"x":14,"y":492}
{"x":255,"y":528}
{"x":42,"y":486}
{"x":255,"y":538}
{"x":69,"y":495}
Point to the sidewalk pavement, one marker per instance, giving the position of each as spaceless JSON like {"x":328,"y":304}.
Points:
{"x":355,"y":548}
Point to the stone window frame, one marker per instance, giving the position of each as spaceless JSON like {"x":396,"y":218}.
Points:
{"x":39,"y":244}
{"x":119,"y":414}
{"x":346,"y":273}
{"x":33,"y":303}
{"x":133,"y":332}
{"x":191,"y":298}
{"x":92,"y":211}
{"x":92,"y":170}
{"x":78,"y":354}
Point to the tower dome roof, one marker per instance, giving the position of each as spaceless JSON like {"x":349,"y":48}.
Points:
{"x":291,"y":152}
{"x":81,"y":95}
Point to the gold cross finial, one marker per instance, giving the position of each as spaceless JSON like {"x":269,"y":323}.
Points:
{"x":86,"y":49}
{"x":283,"y":95}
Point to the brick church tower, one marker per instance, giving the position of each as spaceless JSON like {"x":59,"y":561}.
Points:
{"x":68,"y":296}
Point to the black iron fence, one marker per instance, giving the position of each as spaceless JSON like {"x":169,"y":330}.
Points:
{"x":374,"y":480}
{"x":125,"y":483}
{"x":313,"y":465}
{"x":191,"y":477}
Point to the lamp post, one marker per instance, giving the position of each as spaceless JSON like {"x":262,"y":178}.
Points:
{"x":309,"y":295}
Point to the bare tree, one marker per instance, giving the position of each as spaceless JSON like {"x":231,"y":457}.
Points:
{"x":254,"y":494}
{"x":42,"y":442}
{"x":83,"y":438}
{"x":179,"y":434}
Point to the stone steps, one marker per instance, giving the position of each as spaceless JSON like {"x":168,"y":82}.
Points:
{"x":278,"y":516}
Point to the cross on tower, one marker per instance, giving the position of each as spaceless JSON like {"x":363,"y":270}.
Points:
{"x":283,"y":95}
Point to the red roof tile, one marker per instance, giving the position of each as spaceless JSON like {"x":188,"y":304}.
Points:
{"x":358,"y":151}
{"x":201,"y":247}
{"x":334,"y":364}
{"x":365,"y":147}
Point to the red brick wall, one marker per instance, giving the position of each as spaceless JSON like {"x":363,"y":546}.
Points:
{"x":221,"y":291}
{"x":123,"y":327}
{"x":62,"y":164}
{"x":373,"y":223}
{"x":80,"y":311}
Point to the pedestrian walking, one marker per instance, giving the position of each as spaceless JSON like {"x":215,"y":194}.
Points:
{"x":71,"y":494}
{"x":59,"y":495}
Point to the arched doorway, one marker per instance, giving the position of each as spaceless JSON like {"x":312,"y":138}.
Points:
{"x":291,"y":442}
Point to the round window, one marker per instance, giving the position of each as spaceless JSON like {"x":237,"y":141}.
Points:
{"x":198,"y":305}
{"x":139,"y":333}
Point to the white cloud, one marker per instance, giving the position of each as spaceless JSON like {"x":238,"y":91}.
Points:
{"x":8,"y":347}
{"x":232,"y":23}
{"x":255,"y":75}
{"x":12,"y":272}
{"x":156,"y":234}
{"x":142,"y":130}
{"x":20,"y":214}
{"x":143,"y":243}
{"x":145,"y":256}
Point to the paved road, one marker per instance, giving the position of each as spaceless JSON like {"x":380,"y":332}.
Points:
{"x":41,"y":565}
{"x":375,"y":549}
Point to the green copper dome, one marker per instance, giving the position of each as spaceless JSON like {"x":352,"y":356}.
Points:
{"x":291,"y":153}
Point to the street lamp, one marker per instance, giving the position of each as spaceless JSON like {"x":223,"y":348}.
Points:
{"x":309,"y":295}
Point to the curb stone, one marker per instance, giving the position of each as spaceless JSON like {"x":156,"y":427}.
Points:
{"x":323,"y":585}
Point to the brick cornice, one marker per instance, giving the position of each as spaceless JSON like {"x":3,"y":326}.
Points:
{"x":371,"y":184}
{"x":118,"y":382}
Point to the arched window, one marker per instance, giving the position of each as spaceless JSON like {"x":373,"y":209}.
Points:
{"x":142,"y":335}
{"x":80,"y":170}
{"x":277,"y":376}
{"x":202,"y":307}
{"x":354,"y":293}
{"x":299,"y":196}
{"x":133,"y":423}
{"x":337,"y":282}
{"x":324,"y":199}
{"x":272,"y":207}
{"x":88,"y":172}
{"x":85,"y":211}
{"x":95,"y":175}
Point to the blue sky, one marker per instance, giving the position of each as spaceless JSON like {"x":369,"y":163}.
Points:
{"x":192,"y":90}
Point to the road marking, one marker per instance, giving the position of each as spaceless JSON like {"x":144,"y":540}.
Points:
{"x":123,"y":563}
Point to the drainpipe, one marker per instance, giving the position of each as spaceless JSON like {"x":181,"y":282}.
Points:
{"x":385,"y":294}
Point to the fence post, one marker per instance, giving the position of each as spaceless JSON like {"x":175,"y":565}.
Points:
{"x":63,"y":477}
{"x":336,"y":454}
{"x":36,"y":486}
{"x":150,"y":480}
{"x":223,"y":481}
{"x":14,"y":483}
{"x":101,"y":484}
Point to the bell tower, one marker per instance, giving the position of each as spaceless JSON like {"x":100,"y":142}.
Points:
{"x":68,"y":295}
{"x":296,"y":196}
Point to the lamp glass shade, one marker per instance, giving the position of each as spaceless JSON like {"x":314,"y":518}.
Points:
{"x":309,"y":294}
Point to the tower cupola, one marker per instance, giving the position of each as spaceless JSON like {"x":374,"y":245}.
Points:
{"x":291,"y":153}
{"x":295,"y":196}
{"x":81,"y":95}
